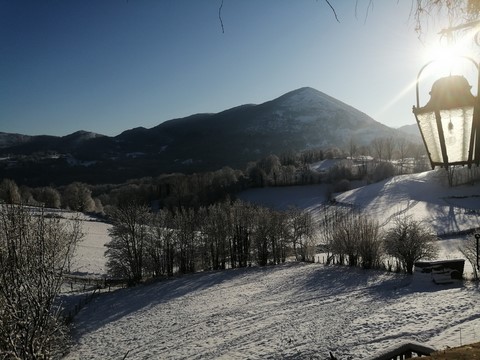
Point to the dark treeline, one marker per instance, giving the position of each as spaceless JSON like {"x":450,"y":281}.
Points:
{"x":225,"y":235}
{"x":383,"y":158}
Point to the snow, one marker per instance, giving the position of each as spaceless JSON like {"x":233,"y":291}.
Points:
{"x":90,"y":259}
{"x":293,"y":310}
{"x":283,"y":198}
{"x":287,"y":311}
{"x":424,"y":196}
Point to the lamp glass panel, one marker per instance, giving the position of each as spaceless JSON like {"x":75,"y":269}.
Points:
{"x":457,"y":128}
{"x":428,"y":126}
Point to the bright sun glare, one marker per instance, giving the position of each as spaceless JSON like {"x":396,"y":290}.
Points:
{"x":443,"y":59}
{"x":452,"y":58}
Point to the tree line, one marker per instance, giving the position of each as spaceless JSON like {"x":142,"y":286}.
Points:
{"x":370,"y":163}
{"x":225,"y":235}
{"x":236,"y":234}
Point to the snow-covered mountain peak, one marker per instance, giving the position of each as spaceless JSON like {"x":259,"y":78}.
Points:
{"x":308,"y":97}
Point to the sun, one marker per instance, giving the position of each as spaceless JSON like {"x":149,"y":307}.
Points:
{"x":452,"y":57}
{"x":443,"y":58}
{"x":449,"y":58}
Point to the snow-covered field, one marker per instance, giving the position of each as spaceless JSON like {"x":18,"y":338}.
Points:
{"x":90,"y":259}
{"x":424,"y":196}
{"x":293,"y":310}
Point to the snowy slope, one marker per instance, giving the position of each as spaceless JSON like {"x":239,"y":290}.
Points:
{"x":424,"y":196}
{"x":282,"y":198}
{"x":90,"y":259}
{"x":292,"y":311}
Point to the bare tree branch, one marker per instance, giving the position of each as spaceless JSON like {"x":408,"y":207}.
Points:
{"x":333,"y":10}
{"x":220,"y":17}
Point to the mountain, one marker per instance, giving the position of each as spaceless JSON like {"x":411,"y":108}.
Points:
{"x":25,"y":145}
{"x":8,"y":140}
{"x":301,"y":119}
{"x":411,"y":130}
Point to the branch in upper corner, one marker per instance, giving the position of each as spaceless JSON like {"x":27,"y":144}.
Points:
{"x":220,"y":17}
{"x":333,"y":9}
{"x":223,"y":28}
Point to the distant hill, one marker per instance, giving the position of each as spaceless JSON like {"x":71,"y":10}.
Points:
{"x":301,"y":119}
{"x":411,"y":130}
{"x":8,"y":140}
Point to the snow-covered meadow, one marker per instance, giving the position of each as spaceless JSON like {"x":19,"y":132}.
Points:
{"x":292,"y":310}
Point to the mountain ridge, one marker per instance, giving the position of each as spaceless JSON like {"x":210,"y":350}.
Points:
{"x":300,"y":119}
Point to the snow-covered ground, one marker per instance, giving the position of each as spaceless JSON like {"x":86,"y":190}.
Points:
{"x":90,"y":259}
{"x":425,"y":196}
{"x":293,"y":310}
{"x":282,"y":198}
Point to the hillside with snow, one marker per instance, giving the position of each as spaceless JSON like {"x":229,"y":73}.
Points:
{"x":424,"y":196}
{"x":295,"y":310}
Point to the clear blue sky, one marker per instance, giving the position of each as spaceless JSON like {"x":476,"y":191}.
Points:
{"x":111,"y":65}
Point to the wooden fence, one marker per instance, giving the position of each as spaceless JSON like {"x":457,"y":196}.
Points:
{"x":91,"y":287}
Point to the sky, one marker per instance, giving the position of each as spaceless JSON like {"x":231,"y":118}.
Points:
{"x":112,"y":65}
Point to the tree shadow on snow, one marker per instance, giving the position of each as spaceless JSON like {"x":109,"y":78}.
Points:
{"x":378,"y":285}
{"x":113,"y":306}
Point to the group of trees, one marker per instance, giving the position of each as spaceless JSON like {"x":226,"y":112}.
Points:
{"x":358,"y":240}
{"x":35,"y":251}
{"x":220,"y":236}
{"x":401,"y":155}
{"x":76,"y":196}
{"x":237,"y":234}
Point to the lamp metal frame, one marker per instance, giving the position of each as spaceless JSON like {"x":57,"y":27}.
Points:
{"x":474,"y":146}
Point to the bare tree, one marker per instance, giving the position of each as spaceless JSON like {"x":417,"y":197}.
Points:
{"x":389,"y":145}
{"x":160,"y":247}
{"x":216,"y":230}
{"x":262,"y":248}
{"x":345,"y":238}
{"x":242,"y":222}
{"x":409,"y":241}
{"x":301,"y":230}
{"x":370,"y":245}
{"x":185,"y":222}
{"x":469,"y":249}
{"x":326,"y":226}
{"x":378,"y":147}
{"x":34,"y":253}
{"x":354,"y":236}
{"x":278,"y":236}
{"x":126,"y":251}
{"x":455,"y":11}
{"x":403,"y":152}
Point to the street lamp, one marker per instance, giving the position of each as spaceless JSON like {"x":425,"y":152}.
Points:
{"x":449,"y":123}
